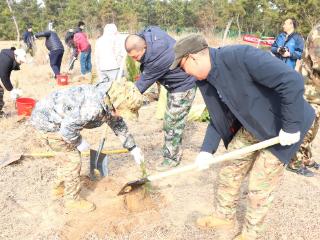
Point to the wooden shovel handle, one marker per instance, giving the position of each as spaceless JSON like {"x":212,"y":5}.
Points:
{"x":221,"y":158}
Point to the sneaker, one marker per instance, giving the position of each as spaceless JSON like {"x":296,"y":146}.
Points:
{"x":80,"y":205}
{"x":301,"y":171}
{"x":215,"y":222}
{"x":166,"y":165}
{"x":3,"y":114}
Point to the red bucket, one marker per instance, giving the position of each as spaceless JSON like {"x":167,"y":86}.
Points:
{"x":62,"y":79}
{"x":25,"y":106}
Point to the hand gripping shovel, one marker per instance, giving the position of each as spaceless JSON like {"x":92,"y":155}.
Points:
{"x":130,"y":186}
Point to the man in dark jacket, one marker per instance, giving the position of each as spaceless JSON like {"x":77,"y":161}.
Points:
{"x":251,"y":96}
{"x":55,"y":46}
{"x":289,"y":44}
{"x":153,"y":48}
{"x":10,"y":59}
{"x":28,"y":40}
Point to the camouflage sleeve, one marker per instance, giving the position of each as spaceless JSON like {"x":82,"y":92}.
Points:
{"x":120,"y":129}
{"x":70,"y":131}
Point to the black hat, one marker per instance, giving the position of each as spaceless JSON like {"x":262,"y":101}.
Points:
{"x":191,"y":44}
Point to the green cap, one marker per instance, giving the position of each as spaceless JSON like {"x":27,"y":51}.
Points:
{"x":191,"y":44}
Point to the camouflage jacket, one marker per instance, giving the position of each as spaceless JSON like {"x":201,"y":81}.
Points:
{"x":69,"y":110}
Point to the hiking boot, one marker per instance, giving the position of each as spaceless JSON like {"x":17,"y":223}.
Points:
{"x":58,"y":191}
{"x":301,"y":171}
{"x":314,"y":165}
{"x":80,"y":205}
{"x":166,"y":165}
{"x":215,"y":222}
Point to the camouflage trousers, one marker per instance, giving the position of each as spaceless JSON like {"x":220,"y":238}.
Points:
{"x":264,"y":171}
{"x":68,"y":172}
{"x":178,"y":107}
{"x":1,"y":98}
{"x":304,"y":155}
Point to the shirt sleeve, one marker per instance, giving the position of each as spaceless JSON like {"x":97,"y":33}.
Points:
{"x":211,"y":140}
{"x":298,"y":50}
{"x":286,"y":82}
{"x":120,"y":129}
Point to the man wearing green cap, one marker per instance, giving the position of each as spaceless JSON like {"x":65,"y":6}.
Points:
{"x":251,"y":96}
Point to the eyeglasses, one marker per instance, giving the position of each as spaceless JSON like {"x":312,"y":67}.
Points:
{"x":182,"y":64}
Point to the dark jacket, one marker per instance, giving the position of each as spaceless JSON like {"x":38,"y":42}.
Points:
{"x":157,"y":60}
{"x":7,"y":65}
{"x":249,"y":87}
{"x":28,"y":38}
{"x":52,"y":40}
{"x":294,"y":43}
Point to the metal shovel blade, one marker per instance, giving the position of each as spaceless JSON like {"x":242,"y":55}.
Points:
{"x":101,"y":164}
{"x":131,"y":186}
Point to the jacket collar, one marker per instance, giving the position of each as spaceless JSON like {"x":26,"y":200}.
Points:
{"x":213,"y":74}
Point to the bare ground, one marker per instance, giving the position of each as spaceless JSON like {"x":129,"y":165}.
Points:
{"x":28,"y":212}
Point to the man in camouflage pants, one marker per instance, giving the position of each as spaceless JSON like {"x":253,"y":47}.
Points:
{"x":250,"y":97}
{"x":153,"y":48}
{"x":310,"y":69}
{"x":63,"y":114}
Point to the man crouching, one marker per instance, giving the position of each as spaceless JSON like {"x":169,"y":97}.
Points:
{"x":64,"y":113}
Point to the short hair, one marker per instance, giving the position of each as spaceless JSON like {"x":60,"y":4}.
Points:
{"x":134,"y":42}
{"x":294,"y":22}
{"x":81,"y":23}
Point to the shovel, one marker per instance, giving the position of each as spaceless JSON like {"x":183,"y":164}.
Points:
{"x":133,"y":185}
{"x":8,"y":158}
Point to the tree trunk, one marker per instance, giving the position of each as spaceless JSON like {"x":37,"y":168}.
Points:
{"x":239,"y":27}
{"x":226,"y":31}
{"x":15,"y":21}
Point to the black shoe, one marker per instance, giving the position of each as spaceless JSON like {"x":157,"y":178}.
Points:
{"x":315,"y":165}
{"x":3,"y":114}
{"x":301,"y":171}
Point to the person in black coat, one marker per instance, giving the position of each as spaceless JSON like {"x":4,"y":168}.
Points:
{"x":55,"y":46}
{"x":251,"y":96}
{"x":10,"y":59}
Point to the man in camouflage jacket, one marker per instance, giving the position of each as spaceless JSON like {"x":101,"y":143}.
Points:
{"x":310,"y":69}
{"x":64,"y":113}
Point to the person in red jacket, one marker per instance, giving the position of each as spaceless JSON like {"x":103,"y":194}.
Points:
{"x":84,"y":48}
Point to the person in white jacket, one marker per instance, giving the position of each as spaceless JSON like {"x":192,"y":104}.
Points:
{"x":110,"y":53}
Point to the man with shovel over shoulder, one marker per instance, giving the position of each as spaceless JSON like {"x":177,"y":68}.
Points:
{"x":250,"y":96}
{"x":64,"y":113}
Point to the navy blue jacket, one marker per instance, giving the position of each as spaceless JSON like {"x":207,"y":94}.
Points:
{"x":294,"y":43}
{"x":28,"y":38}
{"x":7,"y":65}
{"x":53,"y":42}
{"x":157,"y":60}
{"x":248,"y":87}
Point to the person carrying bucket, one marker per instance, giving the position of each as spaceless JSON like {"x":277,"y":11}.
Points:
{"x":10,"y":60}
{"x":64,"y":113}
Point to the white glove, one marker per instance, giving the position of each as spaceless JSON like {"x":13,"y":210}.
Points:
{"x":137,"y":155}
{"x":203,"y":160}
{"x":83,"y":146}
{"x":15,"y":93}
{"x":287,"y":139}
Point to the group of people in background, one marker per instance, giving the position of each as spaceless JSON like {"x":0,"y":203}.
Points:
{"x":250,"y":96}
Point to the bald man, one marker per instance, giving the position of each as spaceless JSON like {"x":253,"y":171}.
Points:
{"x":153,"y":48}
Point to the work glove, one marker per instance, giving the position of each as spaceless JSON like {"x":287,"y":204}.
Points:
{"x":15,"y":93}
{"x":83,"y":146}
{"x":203,"y":160}
{"x":137,"y":155}
{"x":287,"y":139}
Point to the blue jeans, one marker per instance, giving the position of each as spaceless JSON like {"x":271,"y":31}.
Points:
{"x":55,"y":60}
{"x":85,"y":62}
